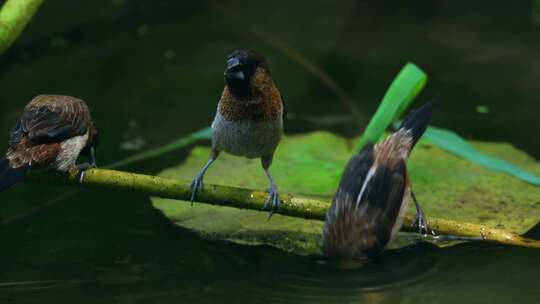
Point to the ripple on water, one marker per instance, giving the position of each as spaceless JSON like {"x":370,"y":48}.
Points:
{"x":313,"y":280}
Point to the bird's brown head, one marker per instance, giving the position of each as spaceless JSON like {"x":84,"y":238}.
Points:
{"x":245,"y":70}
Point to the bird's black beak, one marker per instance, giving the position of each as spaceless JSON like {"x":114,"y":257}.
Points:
{"x":233,"y":70}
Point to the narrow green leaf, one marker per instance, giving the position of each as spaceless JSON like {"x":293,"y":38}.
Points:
{"x":453,"y":143}
{"x":202,"y":134}
{"x":402,"y":91}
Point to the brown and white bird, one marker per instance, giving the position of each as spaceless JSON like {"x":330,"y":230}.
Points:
{"x":249,"y":118}
{"x":51,"y":133}
{"x":369,"y":205}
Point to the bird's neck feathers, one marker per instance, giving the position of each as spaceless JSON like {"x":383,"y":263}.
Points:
{"x":263,"y":103}
{"x":259,"y":87}
{"x":400,"y":144}
{"x":397,"y":146}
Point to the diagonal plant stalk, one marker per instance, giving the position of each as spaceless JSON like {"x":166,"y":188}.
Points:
{"x":316,"y":71}
{"x":296,"y":206}
{"x":14,"y":16}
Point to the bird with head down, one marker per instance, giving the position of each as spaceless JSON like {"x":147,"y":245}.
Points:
{"x":375,"y":189}
{"x":51,"y":133}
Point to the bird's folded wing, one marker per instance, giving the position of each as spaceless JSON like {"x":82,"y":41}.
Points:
{"x":54,"y":124}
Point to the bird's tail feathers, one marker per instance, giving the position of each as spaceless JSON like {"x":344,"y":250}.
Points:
{"x":417,"y":120}
{"x":10,"y":176}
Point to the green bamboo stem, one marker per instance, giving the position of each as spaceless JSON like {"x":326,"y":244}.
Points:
{"x":14,"y":16}
{"x":296,"y":206}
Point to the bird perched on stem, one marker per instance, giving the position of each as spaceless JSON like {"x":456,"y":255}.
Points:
{"x":51,"y":133}
{"x":249,"y":118}
{"x":374,"y":192}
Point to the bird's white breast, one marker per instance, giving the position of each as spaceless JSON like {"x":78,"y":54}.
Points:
{"x":69,"y":152}
{"x":246,"y":138}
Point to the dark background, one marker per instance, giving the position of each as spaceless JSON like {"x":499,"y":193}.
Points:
{"x":151,"y":72}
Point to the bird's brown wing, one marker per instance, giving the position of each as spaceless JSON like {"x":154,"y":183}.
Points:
{"x":344,"y":230}
{"x":365,"y":207}
{"x":382,"y":203}
{"x":354,"y":177}
{"x":50,"y":118}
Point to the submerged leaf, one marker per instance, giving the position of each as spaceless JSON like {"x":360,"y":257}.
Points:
{"x":446,"y":185}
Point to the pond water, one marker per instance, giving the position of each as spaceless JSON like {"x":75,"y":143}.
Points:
{"x":152,"y":72}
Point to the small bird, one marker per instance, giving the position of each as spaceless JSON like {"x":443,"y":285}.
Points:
{"x":51,"y":133}
{"x":374,"y":192}
{"x":249,"y":118}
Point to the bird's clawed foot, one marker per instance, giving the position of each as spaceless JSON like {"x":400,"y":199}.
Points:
{"x":273,"y":202}
{"x":82,"y":167}
{"x":196,"y":187}
{"x":197,"y":183}
{"x":420,"y":219}
{"x":421,"y":222}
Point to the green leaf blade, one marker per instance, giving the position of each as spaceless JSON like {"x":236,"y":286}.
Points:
{"x":453,"y":143}
{"x":402,"y":91}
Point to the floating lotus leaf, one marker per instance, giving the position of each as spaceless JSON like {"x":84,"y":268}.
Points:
{"x":447,"y":186}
